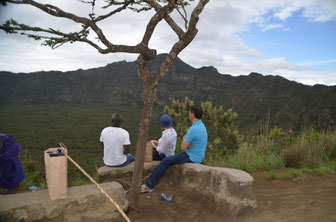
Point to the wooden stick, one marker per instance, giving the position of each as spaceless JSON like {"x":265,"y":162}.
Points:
{"x":99,"y":187}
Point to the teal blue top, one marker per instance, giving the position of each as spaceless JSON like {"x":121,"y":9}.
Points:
{"x":197,"y":135}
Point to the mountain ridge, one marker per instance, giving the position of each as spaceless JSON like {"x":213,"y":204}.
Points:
{"x":290,"y":104}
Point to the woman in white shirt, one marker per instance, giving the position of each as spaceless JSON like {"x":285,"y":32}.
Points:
{"x":165,"y":146}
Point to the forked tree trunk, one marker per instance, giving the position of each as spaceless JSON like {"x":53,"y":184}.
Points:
{"x":150,"y":82}
{"x":134,"y":196}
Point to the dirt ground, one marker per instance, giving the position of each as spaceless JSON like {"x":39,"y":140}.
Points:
{"x":308,"y":198}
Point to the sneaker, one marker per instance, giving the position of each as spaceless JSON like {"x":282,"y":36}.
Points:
{"x":146,"y":189}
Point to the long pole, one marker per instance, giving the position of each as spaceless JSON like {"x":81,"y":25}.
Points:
{"x":99,"y":187}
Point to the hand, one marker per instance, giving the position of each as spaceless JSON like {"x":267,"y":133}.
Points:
{"x":154,"y":143}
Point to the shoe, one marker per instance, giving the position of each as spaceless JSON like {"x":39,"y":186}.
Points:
{"x":146,"y":189}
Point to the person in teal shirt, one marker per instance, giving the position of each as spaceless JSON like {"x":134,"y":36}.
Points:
{"x":194,"y":144}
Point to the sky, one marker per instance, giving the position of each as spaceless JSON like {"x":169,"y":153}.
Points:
{"x":295,"y":39}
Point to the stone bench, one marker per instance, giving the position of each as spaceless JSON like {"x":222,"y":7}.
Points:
{"x":231,"y":189}
{"x":123,"y":175}
{"x":84,"y":203}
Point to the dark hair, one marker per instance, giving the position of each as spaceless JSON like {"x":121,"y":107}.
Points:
{"x":116,"y":119}
{"x":197,"y":111}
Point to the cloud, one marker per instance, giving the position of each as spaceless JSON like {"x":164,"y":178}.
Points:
{"x":272,"y":26}
{"x":322,"y":62}
{"x":322,"y":11}
{"x":315,"y":10}
{"x":217,"y":43}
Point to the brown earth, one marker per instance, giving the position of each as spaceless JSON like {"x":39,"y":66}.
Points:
{"x":308,"y":198}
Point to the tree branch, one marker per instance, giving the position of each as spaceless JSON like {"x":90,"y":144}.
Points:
{"x":182,"y":43}
{"x":184,"y":17}
{"x":167,"y":18}
{"x":126,"y":4}
{"x":57,"y":12}
{"x":154,"y":21}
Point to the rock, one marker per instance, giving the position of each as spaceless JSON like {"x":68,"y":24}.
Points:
{"x":231,"y":189}
{"x":84,"y":203}
{"x":123,"y":175}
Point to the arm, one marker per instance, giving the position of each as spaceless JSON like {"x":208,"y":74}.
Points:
{"x":154,"y":143}
{"x":102,"y":145}
{"x":185,"y":145}
{"x":126,"y":149}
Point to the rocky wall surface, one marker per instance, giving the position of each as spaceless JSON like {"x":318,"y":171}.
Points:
{"x":84,"y":203}
{"x":231,"y":189}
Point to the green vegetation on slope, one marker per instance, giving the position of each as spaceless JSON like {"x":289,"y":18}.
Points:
{"x":38,"y":127}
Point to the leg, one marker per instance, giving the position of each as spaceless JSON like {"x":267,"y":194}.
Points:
{"x":160,"y":170}
{"x":157,"y":156}
{"x":130,"y":159}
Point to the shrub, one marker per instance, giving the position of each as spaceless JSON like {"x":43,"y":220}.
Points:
{"x":222,"y":134}
{"x":34,"y":176}
{"x":311,"y":150}
{"x":251,"y":158}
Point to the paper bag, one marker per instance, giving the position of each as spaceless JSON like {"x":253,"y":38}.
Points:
{"x":56,"y":172}
{"x":149,"y":153}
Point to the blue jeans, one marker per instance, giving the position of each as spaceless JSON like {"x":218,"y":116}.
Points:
{"x":161,"y":169}
{"x":129,"y":159}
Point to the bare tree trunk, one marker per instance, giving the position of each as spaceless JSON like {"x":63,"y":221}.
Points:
{"x":134,"y":196}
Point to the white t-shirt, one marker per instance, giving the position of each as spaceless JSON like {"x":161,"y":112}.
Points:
{"x":114,"y":139}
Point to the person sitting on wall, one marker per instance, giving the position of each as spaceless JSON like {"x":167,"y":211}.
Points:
{"x":11,"y":170}
{"x":167,"y":143}
{"x":194,"y":144}
{"x":115,"y":143}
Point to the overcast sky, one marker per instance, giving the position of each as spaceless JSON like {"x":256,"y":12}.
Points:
{"x":291,"y":38}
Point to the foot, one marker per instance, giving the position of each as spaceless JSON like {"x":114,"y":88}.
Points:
{"x":146,"y":189}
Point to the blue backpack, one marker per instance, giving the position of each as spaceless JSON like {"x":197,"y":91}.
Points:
{"x":11,"y":171}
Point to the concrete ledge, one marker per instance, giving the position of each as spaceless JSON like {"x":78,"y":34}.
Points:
{"x":231,"y":189}
{"x":123,"y":175}
{"x":84,"y":203}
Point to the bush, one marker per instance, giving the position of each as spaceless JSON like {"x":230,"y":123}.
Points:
{"x":251,"y":158}
{"x":310,"y":151}
{"x":275,"y":150}
{"x":222,"y":134}
{"x":34,"y":176}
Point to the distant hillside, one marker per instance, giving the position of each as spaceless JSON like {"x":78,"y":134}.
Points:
{"x":291,"y":105}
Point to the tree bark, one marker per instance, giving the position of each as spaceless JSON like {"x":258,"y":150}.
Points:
{"x":134,"y":196}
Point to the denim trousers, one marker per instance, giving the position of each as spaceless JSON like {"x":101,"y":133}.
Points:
{"x":161,"y":169}
{"x":129,"y":159}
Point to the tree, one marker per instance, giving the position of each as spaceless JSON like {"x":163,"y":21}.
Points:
{"x":162,"y":8}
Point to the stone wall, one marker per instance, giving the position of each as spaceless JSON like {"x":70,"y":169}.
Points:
{"x":231,"y":189}
{"x":123,"y":175}
{"x":84,"y":203}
